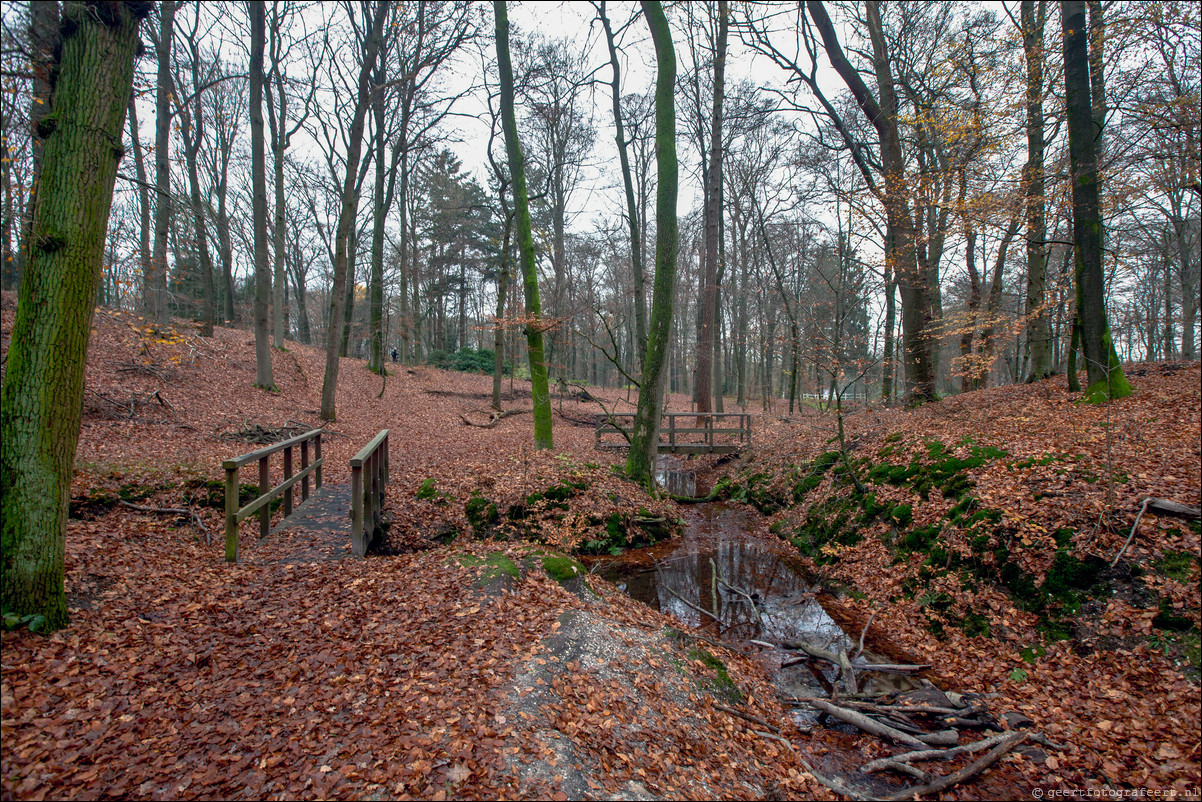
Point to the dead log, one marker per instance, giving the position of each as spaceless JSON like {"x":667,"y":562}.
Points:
{"x":494,"y":418}
{"x":1158,"y":506}
{"x":193,"y":514}
{"x":933,"y":754}
{"x":869,"y":725}
{"x":1162,"y":506}
{"x":1012,"y":740}
{"x":747,"y":717}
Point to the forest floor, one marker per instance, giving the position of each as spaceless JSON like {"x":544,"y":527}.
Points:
{"x":471,"y":659}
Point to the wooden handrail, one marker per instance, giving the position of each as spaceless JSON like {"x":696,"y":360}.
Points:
{"x":608,"y":423}
{"x":367,"y":496}
{"x":261,"y":503}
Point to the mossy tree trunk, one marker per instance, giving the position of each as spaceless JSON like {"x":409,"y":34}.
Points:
{"x":517,"y":170}
{"x":644,"y":439}
{"x":41,"y":403}
{"x":1106,"y":379}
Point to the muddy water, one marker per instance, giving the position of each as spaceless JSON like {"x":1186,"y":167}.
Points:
{"x":729,"y":577}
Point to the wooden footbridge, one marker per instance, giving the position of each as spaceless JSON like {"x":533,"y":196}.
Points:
{"x":681,"y":432}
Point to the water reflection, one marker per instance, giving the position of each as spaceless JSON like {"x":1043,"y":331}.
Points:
{"x":721,"y":579}
{"x":671,"y":476}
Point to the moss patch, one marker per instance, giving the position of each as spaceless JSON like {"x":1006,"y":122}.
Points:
{"x":496,"y":565}
{"x":720,"y":684}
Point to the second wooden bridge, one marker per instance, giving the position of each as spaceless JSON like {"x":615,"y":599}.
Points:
{"x":682,"y":432}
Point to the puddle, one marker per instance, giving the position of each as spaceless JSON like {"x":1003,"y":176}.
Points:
{"x":751,"y":588}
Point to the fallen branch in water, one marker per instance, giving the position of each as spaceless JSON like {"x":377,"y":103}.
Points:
{"x":933,"y":754}
{"x":867,"y":724}
{"x":1012,"y":740}
{"x":689,"y":604}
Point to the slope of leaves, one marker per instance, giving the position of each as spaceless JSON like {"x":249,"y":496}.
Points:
{"x":181,"y":676}
{"x":983,"y":546}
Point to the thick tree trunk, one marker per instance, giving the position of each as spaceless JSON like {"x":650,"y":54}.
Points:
{"x":640,"y":462}
{"x":517,"y":170}
{"x":258,"y":173}
{"x":1039,"y":324}
{"x":1105,"y":374}
{"x":42,"y":397}
{"x":703,"y":390}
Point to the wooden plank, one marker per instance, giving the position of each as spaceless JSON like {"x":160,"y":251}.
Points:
{"x":365,"y":452}
{"x":257,"y":504}
{"x":265,"y":511}
{"x":288,"y":475}
{"x":231,"y":515}
{"x":251,"y":456}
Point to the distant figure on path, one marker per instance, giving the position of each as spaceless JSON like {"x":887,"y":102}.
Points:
{"x":394,"y":355}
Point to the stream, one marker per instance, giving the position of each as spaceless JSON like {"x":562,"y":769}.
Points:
{"x":750,"y":585}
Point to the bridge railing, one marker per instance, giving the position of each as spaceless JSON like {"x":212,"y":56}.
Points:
{"x":369,"y":476}
{"x":681,"y":432}
{"x":261,"y":503}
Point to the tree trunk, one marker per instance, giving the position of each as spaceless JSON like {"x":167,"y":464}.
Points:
{"x":42,"y":398}
{"x":278,"y":122}
{"x":1039,"y":327}
{"x":143,"y":191}
{"x":499,"y":320}
{"x":258,"y":173}
{"x":632,"y":210}
{"x":193,"y":133}
{"x":154,"y":293}
{"x":993,"y":304}
{"x":644,"y":441}
{"x":43,"y":43}
{"x":1105,"y":374}
{"x":918,"y":329}
{"x":347,"y":214}
{"x":375,"y":356}
{"x":703,"y":389}
{"x":517,"y":170}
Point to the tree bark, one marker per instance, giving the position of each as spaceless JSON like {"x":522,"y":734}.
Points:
{"x":919,"y":342}
{"x":517,"y":170}
{"x":346,"y":216}
{"x":258,"y":172}
{"x":703,"y":389}
{"x":375,"y":355}
{"x":41,"y":401}
{"x":1105,"y":374}
{"x":155,"y":282}
{"x":632,"y":209}
{"x":640,"y":462}
{"x":1039,"y":323}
